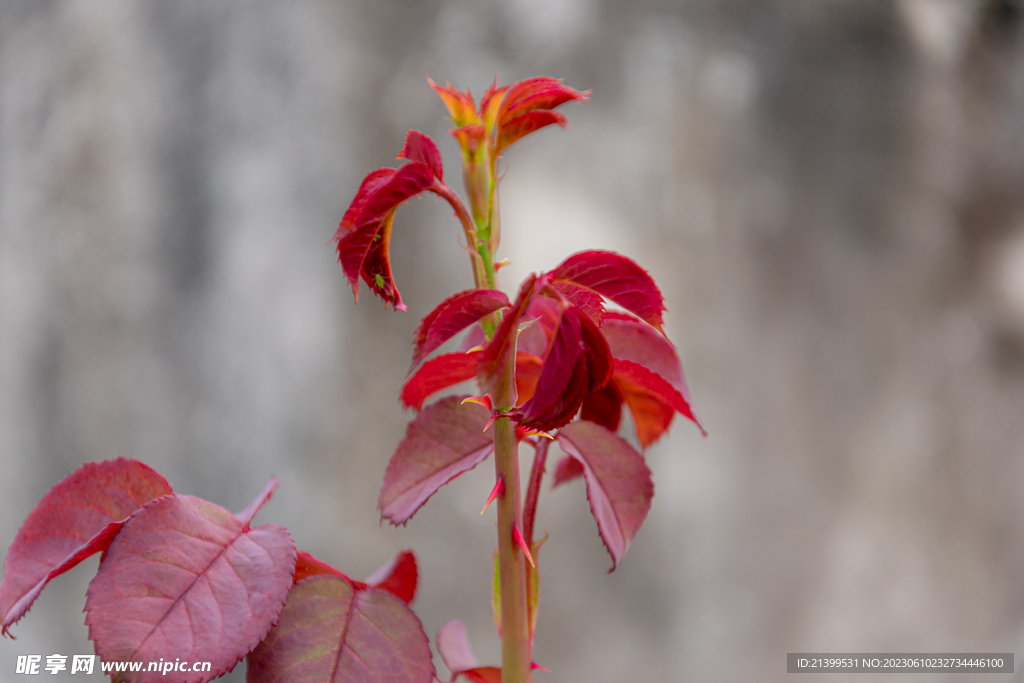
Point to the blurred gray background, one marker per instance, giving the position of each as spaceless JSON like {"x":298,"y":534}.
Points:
{"x":829,"y":192}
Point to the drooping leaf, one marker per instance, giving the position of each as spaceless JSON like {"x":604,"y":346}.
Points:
{"x":568,"y":468}
{"x":186,"y":576}
{"x":521,"y":126}
{"x":632,"y":340}
{"x":444,"y":440}
{"x":615,"y":277}
{"x":331,"y":632}
{"x":539,"y":92}
{"x":497,"y":351}
{"x":419,"y":147}
{"x":453,"y":646}
{"x":438,"y":374}
{"x":363,"y":250}
{"x":398,"y":577}
{"x":78,"y":517}
{"x":453,"y":315}
{"x":651,"y":399}
{"x":619,"y":485}
{"x":371,"y":183}
{"x":460,"y":104}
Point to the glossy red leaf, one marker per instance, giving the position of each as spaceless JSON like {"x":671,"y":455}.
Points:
{"x":438,"y":374}
{"x":619,"y":485}
{"x":563,"y":378}
{"x":460,"y":104}
{"x":187,"y":577}
{"x":568,"y":468}
{"x":615,"y":277}
{"x":521,"y":126}
{"x":371,"y":183}
{"x":332,"y":632}
{"x":419,"y":147}
{"x":498,"y":349}
{"x":78,"y":517}
{"x":444,"y":440}
{"x":398,"y":577}
{"x":453,"y":315}
{"x":584,"y":298}
{"x":603,"y":406}
{"x":539,"y":92}
{"x":363,"y":250}
{"x":599,"y":357}
{"x":543,"y":315}
{"x":453,"y":646}
{"x":637,"y":385}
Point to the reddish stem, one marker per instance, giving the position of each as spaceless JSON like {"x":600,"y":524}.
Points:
{"x":533,"y":491}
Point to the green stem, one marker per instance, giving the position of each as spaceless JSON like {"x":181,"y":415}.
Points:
{"x":516,"y":656}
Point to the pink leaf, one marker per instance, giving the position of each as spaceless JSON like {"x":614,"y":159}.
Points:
{"x":615,"y":277}
{"x":437,"y":374}
{"x":453,"y":315}
{"x":444,"y":440}
{"x":584,"y":298}
{"x":619,"y":485}
{"x":419,"y":147}
{"x":78,"y":517}
{"x":453,"y":646}
{"x":521,"y":126}
{"x":398,"y":577}
{"x":568,"y":468}
{"x":331,"y":632}
{"x":187,"y":577}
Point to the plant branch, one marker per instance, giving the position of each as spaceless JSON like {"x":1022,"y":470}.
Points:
{"x":478,"y":259}
{"x":515,"y":633}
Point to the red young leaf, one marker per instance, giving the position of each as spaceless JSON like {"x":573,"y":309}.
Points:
{"x":637,"y":384}
{"x":439,"y":373}
{"x":568,"y":468}
{"x":603,"y":406}
{"x":490,"y":102}
{"x":470,"y":138}
{"x":599,"y":356}
{"x":563,"y":379}
{"x":453,"y":315}
{"x":444,"y":440}
{"x":544,"y":314}
{"x":460,"y":104}
{"x":619,"y":485}
{"x":363,"y":250}
{"x":615,"y":277}
{"x":453,"y":646}
{"x":187,"y":577}
{"x":419,"y":147}
{"x":521,"y":126}
{"x":398,"y":577}
{"x":78,"y":517}
{"x":330,"y":631}
{"x":497,"y":350}
{"x":371,"y":183}
{"x":528,"y":367}
{"x":539,"y":92}
{"x":582,"y":297}
{"x":306,"y":566}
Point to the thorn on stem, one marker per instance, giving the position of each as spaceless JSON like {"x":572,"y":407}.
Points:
{"x":517,"y":536}
{"x":498,"y":490}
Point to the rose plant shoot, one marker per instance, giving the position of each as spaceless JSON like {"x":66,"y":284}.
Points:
{"x":184,"y":579}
